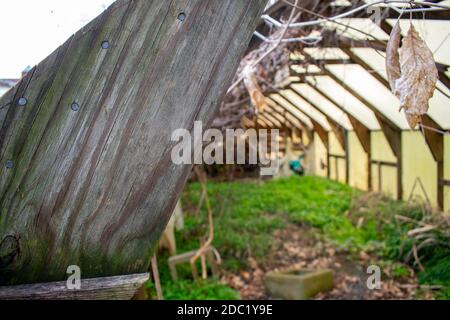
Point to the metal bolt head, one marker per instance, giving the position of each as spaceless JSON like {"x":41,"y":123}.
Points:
{"x":9,"y":164}
{"x":75,"y":106}
{"x":105,"y":44}
{"x":182,"y":16}
{"x":22,"y":101}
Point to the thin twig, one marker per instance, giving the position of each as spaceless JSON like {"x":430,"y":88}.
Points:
{"x":253,"y":65}
{"x":156,"y":279}
{"x":207,"y":244}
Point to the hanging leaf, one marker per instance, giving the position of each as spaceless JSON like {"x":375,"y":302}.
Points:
{"x":418,"y":78}
{"x":392,"y":56}
{"x":413,"y":119}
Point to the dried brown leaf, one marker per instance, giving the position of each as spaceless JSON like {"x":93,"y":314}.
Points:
{"x":393,"y":57}
{"x":257,"y":97}
{"x":413,"y":119}
{"x":418,"y":78}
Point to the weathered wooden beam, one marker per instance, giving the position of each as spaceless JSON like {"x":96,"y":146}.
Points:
{"x":86,"y":176}
{"x":109,"y":288}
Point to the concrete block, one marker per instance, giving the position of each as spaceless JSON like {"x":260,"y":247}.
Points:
{"x":299,"y":284}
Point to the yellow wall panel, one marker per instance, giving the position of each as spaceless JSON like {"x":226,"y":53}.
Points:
{"x":447,"y":172}
{"x":338,"y":169}
{"x":341,"y":171}
{"x":333,"y":169}
{"x":318,"y":156}
{"x":375,"y":180}
{"x":381,"y":151}
{"x":335,"y":146}
{"x":305,"y":137}
{"x":358,"y":166}
{"x":337,"y":166}
{"x":419,"y":168}
{"x":380,"y":148}
{"x":389,"y":181}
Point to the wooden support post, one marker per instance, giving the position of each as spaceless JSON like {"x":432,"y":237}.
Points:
{"x":86,"y":176}
{"x":435,"y":142}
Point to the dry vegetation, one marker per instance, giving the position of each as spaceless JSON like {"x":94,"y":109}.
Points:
{"x":313,"y":222}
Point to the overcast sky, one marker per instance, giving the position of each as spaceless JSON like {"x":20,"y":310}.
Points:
{"x":32,"y":29}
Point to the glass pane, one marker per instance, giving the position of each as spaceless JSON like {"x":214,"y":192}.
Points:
{"x":371,"y":90}
{"x":323,"y":104}
{"x":345,"y":100}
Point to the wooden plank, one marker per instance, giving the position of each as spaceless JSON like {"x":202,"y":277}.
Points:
{"x":109,"y":288}
{"x":86,"y":176}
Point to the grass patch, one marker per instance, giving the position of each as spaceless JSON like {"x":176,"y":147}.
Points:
{"x":246,"y":214}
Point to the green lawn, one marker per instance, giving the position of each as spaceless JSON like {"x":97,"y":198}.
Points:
{"x":247,"y":213}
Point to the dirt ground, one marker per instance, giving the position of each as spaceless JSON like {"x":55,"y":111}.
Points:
{"x":298,"y":248}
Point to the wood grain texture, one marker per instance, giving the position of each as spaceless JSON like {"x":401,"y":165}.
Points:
{"x":96,"y":187}
{"x":109,"y":288}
